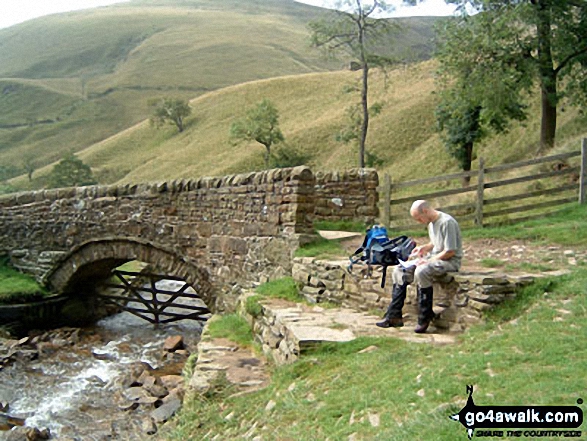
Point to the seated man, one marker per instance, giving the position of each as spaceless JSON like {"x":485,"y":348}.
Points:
{"x":441,"y":255}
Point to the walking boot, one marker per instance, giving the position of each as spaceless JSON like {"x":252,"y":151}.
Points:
{"x":426,"y":313}
{"x":393,"y":322}
{"x":393,"y":315}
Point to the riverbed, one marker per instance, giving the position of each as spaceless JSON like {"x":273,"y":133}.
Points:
{"x":77,"y":386}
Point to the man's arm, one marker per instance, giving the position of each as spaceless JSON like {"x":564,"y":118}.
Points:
{"x":445,"y":255}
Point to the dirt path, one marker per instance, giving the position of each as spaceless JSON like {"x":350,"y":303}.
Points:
{"x":511,"y":256}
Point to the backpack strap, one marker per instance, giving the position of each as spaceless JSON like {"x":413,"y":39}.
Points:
{"x":384,"y":276}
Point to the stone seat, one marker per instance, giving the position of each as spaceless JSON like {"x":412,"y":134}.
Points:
{"x":460,"y":298}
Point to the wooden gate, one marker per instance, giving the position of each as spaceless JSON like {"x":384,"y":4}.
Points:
{"x":155,"y":305}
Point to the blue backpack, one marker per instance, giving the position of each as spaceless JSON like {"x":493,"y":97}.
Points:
{"x":378,"y":249}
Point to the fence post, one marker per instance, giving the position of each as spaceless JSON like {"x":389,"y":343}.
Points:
{"x":386,"y":200}
{"x":583,"y":177}
{"x":480,"y":187}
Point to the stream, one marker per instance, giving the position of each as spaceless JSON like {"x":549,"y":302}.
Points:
{"x":77,"y":386}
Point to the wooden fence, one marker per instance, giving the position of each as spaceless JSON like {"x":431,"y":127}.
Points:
{"x":492,"y":194}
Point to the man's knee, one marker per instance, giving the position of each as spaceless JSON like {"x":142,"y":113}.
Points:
{"x":424,"y":275}
{"x":401,"y":277}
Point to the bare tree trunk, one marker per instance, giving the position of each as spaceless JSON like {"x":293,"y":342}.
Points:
{"x":364,"y":92}
{"x":548,"y":122}
{"x":365,"y":122}
{"x":267,"y":156}
{"x":548,"y":77}
{"x":466,"y":181}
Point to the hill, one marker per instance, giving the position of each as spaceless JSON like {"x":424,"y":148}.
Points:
{"x":312,"y":110}
{"x":68,"y":81}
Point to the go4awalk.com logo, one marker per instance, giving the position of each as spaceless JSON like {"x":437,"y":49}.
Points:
{"x":520,"y":421}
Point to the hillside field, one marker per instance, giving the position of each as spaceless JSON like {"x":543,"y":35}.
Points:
{"x":312,"y":110}
{"x":68,"y":81}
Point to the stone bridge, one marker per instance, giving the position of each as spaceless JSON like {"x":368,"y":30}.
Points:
{"x":218,"y":234}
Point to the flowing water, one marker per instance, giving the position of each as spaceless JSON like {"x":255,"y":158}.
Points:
{"x":75,"y":391}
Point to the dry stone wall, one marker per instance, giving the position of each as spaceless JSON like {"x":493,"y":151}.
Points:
{"x":347,"y":195}
{"x":458,"y":300}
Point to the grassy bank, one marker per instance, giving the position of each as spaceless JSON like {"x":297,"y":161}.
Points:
{"x":533,"y":353}
{"x":16,"y":287}
{"x":530,"y":351}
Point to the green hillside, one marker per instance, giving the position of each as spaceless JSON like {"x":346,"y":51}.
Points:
{"x":68,"y":81}
{"x":312,"y":110}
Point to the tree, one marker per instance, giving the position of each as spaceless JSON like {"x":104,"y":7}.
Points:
{"x":285,"y":157}
{"x":170,"y":111}
{"x":261,"y":124}
{"x":71,"y":172}
{"x":352,"y":130}
{"x":535,"y":41}
{"x":352,"y":31}
{"x":461,"y":123}
{"x":29,"y":167}
{"x":474,"y":99}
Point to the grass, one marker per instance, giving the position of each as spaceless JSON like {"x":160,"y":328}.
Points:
{"x":567,"y":227}
{"x":91,"y":73}
{"x":529,"y":351}
{"x":412,"y":388}
{"x":492,"y":263}
{"x":528,"y":266}
{"x":232,"y":327}
{"x":321,"y":248}
{"x":16,"y":287}
{"x":284,"y":288}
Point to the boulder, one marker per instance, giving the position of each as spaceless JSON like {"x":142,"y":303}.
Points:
{"x":173,"y":343}
{"x":166,"y":411}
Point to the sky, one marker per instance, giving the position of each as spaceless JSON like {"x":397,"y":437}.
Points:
{"x":427,"y":7}
{"x":17,"y":11}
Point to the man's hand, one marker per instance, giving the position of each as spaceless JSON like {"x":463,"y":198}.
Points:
{"x":416,"y":252}
{"x":421,"y":251}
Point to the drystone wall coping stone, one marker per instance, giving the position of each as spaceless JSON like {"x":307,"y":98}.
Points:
{"x":302,"y":173}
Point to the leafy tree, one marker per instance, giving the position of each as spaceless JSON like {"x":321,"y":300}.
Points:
{"x":461,"y":123}
{"x":29,"y":167}
{"x":352,"y":32}
{"x":8,"y":171}
{"x":285,"y":157}
{"x":261,"y":124}
{"x":6,"y":188}
{"x":521,"y":42}
{"x":475,"y":99}
{"x":71,"y":172}
{"x":170,"y":111}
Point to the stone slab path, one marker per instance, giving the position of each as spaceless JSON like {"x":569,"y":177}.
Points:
{"x":334,"y":235}
{"x":308,"y":326}
{"x":313,"y":324}
{"x":241,"y":367}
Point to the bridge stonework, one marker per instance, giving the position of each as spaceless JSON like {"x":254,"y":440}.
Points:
{"x":219,"y":234}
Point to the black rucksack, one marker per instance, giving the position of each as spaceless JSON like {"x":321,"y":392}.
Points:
{"x":383,"y":251}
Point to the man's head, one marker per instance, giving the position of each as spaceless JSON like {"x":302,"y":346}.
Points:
{"x":422,"y":212}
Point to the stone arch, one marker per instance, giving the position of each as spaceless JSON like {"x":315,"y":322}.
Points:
{"x":93,"y":261}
